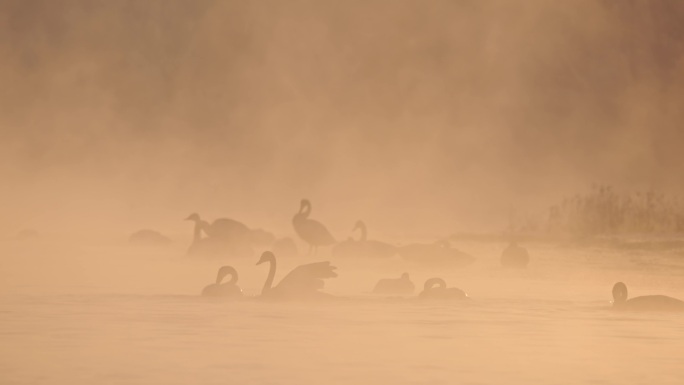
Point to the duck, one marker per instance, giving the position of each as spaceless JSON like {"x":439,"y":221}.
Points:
{"x":396,"y":286}
{"x":363,"y":247}
{"x":435,"y":288}
{"x":646,"y":303}
{"x":309,"y":230}
{"x":303,"y":282}
{"x":228,"y":289}
{"x":438,"y":254}
{"x":515,"y":256}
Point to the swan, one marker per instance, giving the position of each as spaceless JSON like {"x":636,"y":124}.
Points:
{"x":217,"y":244}
{"x":438,"y":254}
{"x":647,"y":302}
{"x":311,"y":231}
{"x":399,"y":286}
{"x":303,"y":282}
{"x":435,"y":288}
{"x":227,"y":289}
{"x":148,"y":237}
{"x":363,"y":247}
{"x":515,"y":256}
{"x":222,"y":227}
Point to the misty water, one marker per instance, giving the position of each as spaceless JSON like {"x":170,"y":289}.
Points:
{"x":74,"y":313}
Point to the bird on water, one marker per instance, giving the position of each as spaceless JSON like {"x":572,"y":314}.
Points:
{"x":646,"y":302}
{"x":228,"y":289}
{"x":303,"y":282}
{"x":396,"y":286}
{"x":435,"y":288}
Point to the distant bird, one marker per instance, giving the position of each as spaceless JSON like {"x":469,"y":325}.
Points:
{"x":227,"y":289}
{"x":309,"y":230}
{"x":363,"y":248}
{"x":515,"y":256}
{"x":304,"y":282}
{"x":205,"y":246}
{"x":229,"y":229}
{"x":435,"y":288}
{"x":396,"y":286}
{"x":646,"y":303}
{"x":147,"y":237}
{"x":225,"y":238}
{"x":438,"y":254}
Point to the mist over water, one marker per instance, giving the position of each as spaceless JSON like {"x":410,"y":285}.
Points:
{"x":423,"y":119}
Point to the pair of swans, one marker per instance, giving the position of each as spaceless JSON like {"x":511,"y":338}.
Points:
{"x":363,"y":247}
{"x":303,"y":282}
{"x":434,"y":288}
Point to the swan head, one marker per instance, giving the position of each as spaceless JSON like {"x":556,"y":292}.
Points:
{"x":359,"y":225}
{"x":405,"y":276}
{"x":619,"y":293}
{"x":266,"y":256}
{"x":193,"y":217}
{"x":225,"y":270}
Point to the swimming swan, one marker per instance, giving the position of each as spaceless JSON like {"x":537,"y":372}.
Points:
{"x":363,"y":247}
{"x":647,"y":302}
{"x":435,"y":288}
{"x":398,"y":286}
{"x":227,"y":289}
{"x":311,"y":231}
{"x":303,"y":282}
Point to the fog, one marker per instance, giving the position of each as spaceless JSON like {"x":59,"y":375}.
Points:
{"x":416,"y":117}
{"x":423,"y":119}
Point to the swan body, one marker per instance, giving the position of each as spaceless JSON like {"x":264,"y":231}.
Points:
{"x":646,"y":303}
{"x":435,"y":288}
{"x":438,"y":254}
{"x":515,"y":256}
{"x":303,"y":282}
{"x":228,"y":289}
{"x":148,"y":237}
{"x":311,"y":231}
{"x":217,"y":245}
{"x":397,"y":286}
{"x":363,"y":247}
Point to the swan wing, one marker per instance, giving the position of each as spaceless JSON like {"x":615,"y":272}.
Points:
{"x":308,"y":277}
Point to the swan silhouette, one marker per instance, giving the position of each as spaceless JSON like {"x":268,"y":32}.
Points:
{"x":303,"y":282}
{"x":398,"y":286}
{"x":222,"y":228}
{"x":647,"y":302}
{"x":311,"y":231}
{"x":227,"y":289}
{"x":438,"y":254}
{"x":435,"y":288}
{"x":225,"y":237}
{"x":515,"y":256}
{"x":363,"y":247}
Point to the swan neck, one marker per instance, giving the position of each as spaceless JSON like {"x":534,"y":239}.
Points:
{"x":271,"y":276}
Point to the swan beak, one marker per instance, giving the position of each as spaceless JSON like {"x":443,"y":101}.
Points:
{"x":261,"y":260}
